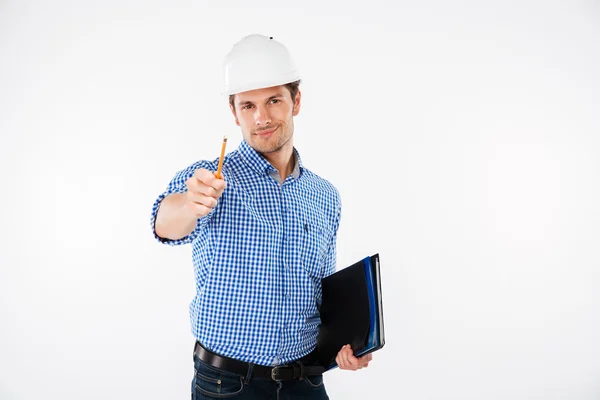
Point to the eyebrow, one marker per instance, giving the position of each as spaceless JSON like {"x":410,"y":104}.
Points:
{"x":275,"y":96}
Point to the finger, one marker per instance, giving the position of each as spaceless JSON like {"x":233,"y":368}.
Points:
{"x":219,"y":184}
{"x":204,"y":175}
{"x":338,"y":360}
{"x":366,"y":358}
{"x":364,"y":361}
{"x":353,"y":361}
{"x":207,"y":201}
{"x":200,"y":182}
{"x":196,"y":186}
{"x":350,"y":360}
{"x":209,"y":178}
{"x":208,"y":190}
{"x":344,"y":357}
{"x":198,"y":209}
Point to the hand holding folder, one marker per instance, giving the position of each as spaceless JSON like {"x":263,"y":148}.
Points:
{"x":351,"y":311}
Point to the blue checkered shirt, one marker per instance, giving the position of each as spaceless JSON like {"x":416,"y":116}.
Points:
{"x":259,"y":257}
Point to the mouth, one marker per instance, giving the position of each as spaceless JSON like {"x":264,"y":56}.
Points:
{"x":265,"y":132}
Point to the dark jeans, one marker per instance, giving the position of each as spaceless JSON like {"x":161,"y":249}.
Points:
{"x":212,"y":383}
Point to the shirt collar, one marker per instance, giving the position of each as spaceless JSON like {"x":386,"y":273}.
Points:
{"x":297,"y":164}
{"x":261,"y":165}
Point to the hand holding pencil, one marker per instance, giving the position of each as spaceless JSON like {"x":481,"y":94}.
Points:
{"x":205,"y":188}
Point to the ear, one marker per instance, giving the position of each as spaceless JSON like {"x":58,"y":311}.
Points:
{"x":296,"y":109}
{"x":237,"y":121}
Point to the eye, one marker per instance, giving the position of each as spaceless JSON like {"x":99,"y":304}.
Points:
{"x":247,"y":107}
{"x":275,"y":101}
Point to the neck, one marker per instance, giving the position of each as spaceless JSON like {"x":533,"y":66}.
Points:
{"x":282,"y":160}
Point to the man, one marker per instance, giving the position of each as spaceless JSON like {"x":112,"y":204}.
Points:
{"x":263,"y":237}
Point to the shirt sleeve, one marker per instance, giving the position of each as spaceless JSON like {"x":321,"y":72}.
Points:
{"x":330,"y":262}
{"x":177,"y":185}
{"x":330,"y":258}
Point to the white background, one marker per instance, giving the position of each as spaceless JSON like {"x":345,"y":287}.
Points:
{"x":463,"y":137}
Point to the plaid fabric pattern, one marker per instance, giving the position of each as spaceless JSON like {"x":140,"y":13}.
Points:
{"x":259,"y":257}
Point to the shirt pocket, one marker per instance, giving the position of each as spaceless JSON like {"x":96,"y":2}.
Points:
{"x":314,"y":243}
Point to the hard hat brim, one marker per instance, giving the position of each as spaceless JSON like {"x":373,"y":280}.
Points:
{"x":293,"y":76}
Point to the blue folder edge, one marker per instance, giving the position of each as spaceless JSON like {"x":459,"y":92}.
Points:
{"x":373,"y":328}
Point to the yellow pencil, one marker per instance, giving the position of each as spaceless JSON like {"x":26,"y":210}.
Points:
{"x":218,"y":173}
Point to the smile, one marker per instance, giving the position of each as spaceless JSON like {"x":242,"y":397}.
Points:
{"x":265,"y":133}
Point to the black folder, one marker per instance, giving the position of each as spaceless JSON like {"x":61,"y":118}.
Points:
{"x":351,"y":311}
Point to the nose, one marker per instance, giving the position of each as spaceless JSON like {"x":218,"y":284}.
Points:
{"x":262,"y":116}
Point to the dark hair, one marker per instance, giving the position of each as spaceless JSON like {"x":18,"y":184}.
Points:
{"x":293,"y":87}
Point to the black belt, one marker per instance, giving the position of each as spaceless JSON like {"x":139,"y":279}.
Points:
{"x":295,"y":370}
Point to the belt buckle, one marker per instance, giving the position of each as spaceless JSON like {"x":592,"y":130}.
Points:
{"x":276,"y":373}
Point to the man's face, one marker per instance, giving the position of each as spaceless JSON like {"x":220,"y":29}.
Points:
{"x":266,"y":117}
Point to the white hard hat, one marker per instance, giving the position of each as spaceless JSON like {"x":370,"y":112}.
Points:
{"x":257,"y":62}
